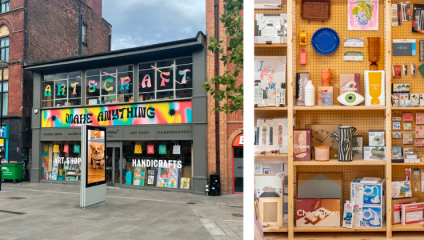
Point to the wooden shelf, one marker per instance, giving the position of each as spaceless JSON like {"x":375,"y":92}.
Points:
{"x":270,"y":108}
{"x":408,"y":108}
{"x":356,"y":162}
{"x":275,"y":229}
{"x":339,"y":229}
{"x":405,"y":164}
{"x":337,"y":108}
{"x":407,"y":228}
{"x":282,"y":45}
{"x":272,"y":156}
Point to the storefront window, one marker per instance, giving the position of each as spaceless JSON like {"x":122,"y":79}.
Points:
{"x":61,"y":90}
{"x":110,"y":85}
{"x":166,"y":79}
{"x":61,"y":161}
{"x":165,"y":164}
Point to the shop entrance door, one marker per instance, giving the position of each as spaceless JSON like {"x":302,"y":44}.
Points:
{"x":113,"y":168}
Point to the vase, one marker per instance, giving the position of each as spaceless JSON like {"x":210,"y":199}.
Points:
{"x":361,"y":19}
{"x":373,"y":52}
{"x":327,"y":77}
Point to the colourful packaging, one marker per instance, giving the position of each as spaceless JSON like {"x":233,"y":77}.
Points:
{"x":316,"y":212}
{"x":302,"y":145}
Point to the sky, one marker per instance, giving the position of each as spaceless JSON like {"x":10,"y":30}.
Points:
{"x":145,"y":22}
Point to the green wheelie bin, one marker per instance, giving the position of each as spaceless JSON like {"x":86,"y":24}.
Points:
{"x":12,"y":171}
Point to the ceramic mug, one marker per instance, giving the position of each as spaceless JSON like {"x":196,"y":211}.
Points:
{"x":327,"y":77}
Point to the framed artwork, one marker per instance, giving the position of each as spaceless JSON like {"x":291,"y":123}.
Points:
{"x":139,"y":176}
{"x":362,"y":15}
{"x":267,"y":170}
{"x":185,"y":183}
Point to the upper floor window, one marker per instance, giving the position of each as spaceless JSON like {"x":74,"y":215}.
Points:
{"x":5,"y":5}
{"x":110,"y":85}
{"x":63,"y":89}
{"x":84,"y":33}
{"x":4,"y":49}
{"x":166,"y":79}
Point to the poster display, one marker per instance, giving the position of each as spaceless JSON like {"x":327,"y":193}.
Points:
{"x":119,"y":115}
{"x":96,"y":162}
{"x":362,"y":15}
{"x":139,"y":176}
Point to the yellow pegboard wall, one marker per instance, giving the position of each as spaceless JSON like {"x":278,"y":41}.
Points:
{"x":399,"y":141}
{"x":349,"y":173}
{"x":398,"y":174}
{"x":338,"y":22}
{"x":361,"y":120}
{"x":416,"y":83}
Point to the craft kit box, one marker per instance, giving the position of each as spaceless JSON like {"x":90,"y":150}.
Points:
{"x":374,"y":83}
{"x":357,"y":147}
{"x":356,"y":191}
{"x":401,"y":189}
{"x":374,"y":190}
{"x":374,"y":153}
{"x":397,"y":208}
{"x":349,"y":82}
{"x":412,"y":213}
{"x":317,"y":212}
{"x":302,"y":145}
{"x":373,"y":216}
{"x":376,"y":138}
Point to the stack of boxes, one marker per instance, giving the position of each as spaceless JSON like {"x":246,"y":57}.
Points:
{"x":368,"y":196}
{"x":376,"y":149}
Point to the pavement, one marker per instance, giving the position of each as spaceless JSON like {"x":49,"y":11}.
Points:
{"x":51,"y":211}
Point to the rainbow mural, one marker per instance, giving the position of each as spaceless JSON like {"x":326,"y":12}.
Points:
{"x":117,"y":115}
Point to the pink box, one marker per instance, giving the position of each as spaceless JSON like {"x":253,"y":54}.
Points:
{"x":419,"y":118}
{"x":419,"y":132}
{"x":408,"y":117}
{"x":418,"y":142}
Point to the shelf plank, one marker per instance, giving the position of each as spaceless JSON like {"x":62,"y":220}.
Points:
{"x":276,"y":229}
{"x":338,"y":108}
{"x":406,"y":164}
{"x":270,"y":108}
{"x":407,"y":228}
{"x":338,"y":229}
{"x":272,"y":156}
{"x":408,"y":108}
{"x":331,"y":162}
{"x":282,"y":45}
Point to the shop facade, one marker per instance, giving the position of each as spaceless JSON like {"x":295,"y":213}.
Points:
{"x":151,"y":101}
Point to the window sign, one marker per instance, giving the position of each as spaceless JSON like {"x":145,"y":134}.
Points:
{"x":62,"y":89}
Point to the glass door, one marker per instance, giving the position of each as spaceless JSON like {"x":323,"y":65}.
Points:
{"x":113,"y":159}
{"x":238,"y":170}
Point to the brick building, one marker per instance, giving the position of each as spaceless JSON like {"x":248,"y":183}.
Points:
{"x":41,"y":30}
{"x":230,"y":126}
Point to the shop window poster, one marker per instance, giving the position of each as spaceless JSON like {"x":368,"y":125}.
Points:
{"x":185,"y":183}
{"x":363,"y":15}
{"x":151,"y":177}
{"x":45,"y":159}
{"x":139,"y":176}
{"x":173,"y":176}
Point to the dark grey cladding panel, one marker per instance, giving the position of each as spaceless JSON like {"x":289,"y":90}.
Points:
{"x":115,"y":133}
{"x":73,"y":134}
{"x":139,"y":133}
{"x":175,"y":132}
{"x":51,"y":134}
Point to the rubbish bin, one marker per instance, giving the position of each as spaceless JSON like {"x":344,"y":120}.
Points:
{"x":12,"y":171}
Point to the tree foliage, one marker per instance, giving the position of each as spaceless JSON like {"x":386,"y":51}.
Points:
{"x":228,"y":92}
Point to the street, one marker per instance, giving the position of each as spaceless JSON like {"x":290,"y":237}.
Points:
{"x":51,"y":211}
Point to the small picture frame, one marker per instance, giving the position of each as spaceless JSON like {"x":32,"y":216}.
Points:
{"x":419,"y":131}
{"x":418,"y":142}
{"x":397,"y":134}
{"x":419,"y":118}
{"x":407,"y":138}
{"x":396,"y":126}
{"x":267,"y":170}
{"x":407,"y":126}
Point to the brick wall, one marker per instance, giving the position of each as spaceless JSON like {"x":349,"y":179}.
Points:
{"x":229,"y":125}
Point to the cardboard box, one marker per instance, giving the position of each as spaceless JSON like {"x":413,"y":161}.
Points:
{"x":396,"y":152}
{"x":302,"y":145}
{"x":357,"y":147}
{"x":401,"y":189}
{"x":373,"y":216}
{"x":349,"y":82}
{"x":320,"y":185}
{"x":376,"y":138}
{"x":317,"y":212}
{"x":397,"y":208}
{"x":374,"y":153}
{"x":412,"y":213}
{"x":374,"y":82}
{"x":301,"y":81}
{"x":374,"y":192}
{"x":356,"y":191}
{"x":400,"y":87}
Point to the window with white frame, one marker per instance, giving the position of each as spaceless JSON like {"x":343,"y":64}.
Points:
{"x":63,"y":89}
{"x":109,"y":85}
{"x":166,"y":79}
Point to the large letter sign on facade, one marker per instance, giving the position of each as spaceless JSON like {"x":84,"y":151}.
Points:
{"x":118,"y":115}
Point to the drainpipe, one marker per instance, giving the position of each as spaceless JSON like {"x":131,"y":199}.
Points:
{"x":217,"y":87}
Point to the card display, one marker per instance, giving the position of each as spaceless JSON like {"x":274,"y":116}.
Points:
{"x":404,"y":47}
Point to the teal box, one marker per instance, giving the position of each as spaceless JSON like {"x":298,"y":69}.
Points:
{"x":61,"y":177}
{"x":129,"y":178}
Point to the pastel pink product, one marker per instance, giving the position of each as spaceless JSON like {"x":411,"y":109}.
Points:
{"x":322,"y":153}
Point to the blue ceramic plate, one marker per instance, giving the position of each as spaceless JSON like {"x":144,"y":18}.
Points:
{"x":325,"y":41}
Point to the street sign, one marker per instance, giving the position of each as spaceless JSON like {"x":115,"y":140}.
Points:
{"x":2,"y":132}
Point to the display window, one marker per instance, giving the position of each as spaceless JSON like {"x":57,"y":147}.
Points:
{"x":61,"y":161}
{"x":60,"y":90}
{"x":163,"y":164}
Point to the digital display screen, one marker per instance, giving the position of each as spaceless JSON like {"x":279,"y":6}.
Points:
{"x":96,"y":160}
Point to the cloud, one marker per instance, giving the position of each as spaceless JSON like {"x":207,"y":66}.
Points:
{"x":144,"y":22}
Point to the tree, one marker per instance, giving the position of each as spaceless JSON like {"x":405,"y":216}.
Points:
{"x":227,"y":91}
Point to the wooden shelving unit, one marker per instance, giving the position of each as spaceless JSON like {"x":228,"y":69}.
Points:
{"x":337,"y":108}
{"x":272,"y":156}
{"x":338,"y":229}
{"x":271,"y":45}
{"x":285,"y":228}
{"x":407,"y":228}
{"x":271,"y":108}
{"x":335,"y":162}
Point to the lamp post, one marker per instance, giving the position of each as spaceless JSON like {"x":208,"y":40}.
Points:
{"x":2,"y":65}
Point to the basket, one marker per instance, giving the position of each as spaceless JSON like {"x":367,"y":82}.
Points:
{"x":317,"y":10}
